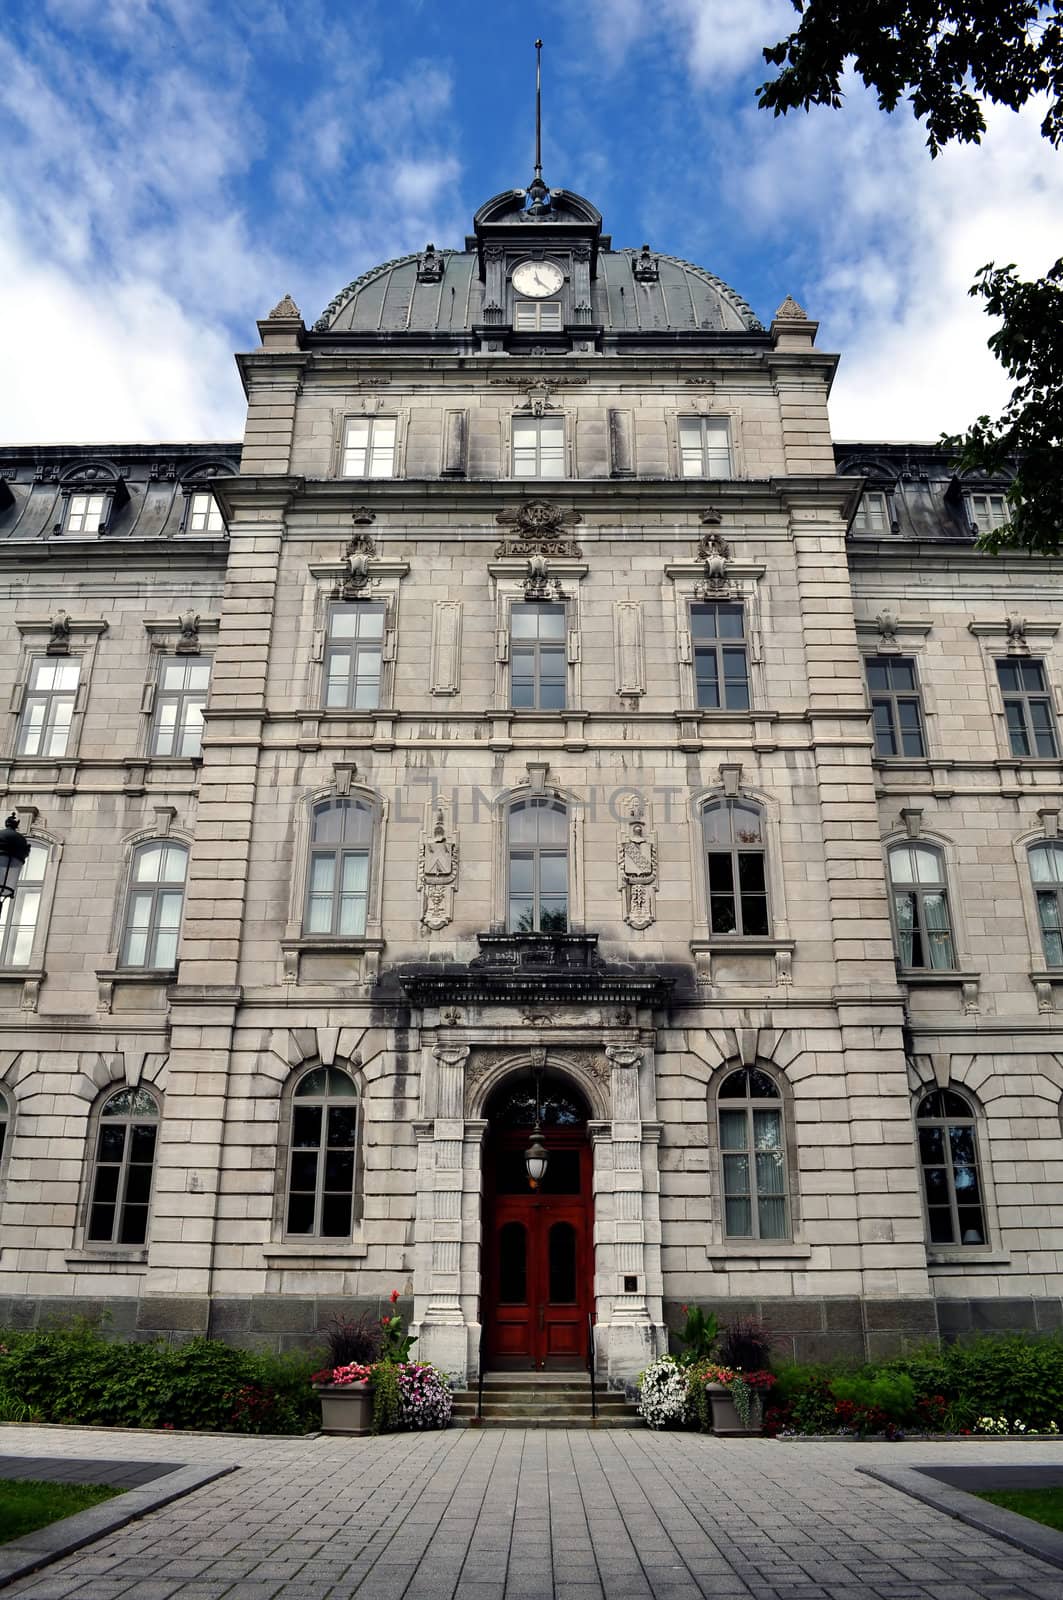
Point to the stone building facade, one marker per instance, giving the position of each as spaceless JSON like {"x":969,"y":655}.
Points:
{"x":537,"y":715}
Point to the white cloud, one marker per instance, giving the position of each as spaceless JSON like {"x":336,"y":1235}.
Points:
{"x":714,"y":40}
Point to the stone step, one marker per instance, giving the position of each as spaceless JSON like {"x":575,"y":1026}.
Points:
{"x":496,"y":1421}
{"x":530,"y":1413}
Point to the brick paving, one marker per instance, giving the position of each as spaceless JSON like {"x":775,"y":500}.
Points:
{"x":525,"y":1515}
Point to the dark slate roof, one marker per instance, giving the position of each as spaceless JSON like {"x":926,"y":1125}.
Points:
{"x":389,"y":299}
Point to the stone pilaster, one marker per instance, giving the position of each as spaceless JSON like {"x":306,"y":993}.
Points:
{"x":439,"y":1318}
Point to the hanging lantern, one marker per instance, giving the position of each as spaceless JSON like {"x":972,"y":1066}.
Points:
{"x":14,"y":849}
{"x":536,"y":1158}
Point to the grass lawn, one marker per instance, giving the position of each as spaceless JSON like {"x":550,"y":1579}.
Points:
{"x":26,"y":1504}
{"x":1040,"y":1505}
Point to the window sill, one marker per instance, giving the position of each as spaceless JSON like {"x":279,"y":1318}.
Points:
{"x":327,"y":943}
{"x":105,"y":1258}
{"x":971,"y":1257}
{"x":137,"y":974}
{"x":333,"y":1253}
{"x":1040,"y":975}
{"x":932,"y":975}
{"x":38,"y":974}
{"x":758,"y":1250}
{"x":735,"y":945}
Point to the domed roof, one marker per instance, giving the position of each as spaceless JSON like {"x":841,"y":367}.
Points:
{"x":398,"y":296}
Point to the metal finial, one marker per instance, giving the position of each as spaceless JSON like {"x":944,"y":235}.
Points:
{"x":538,"y":109}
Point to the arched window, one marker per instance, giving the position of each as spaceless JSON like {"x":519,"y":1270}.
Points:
{"x":948,"y":1154}
{"x":154,"y":904}
{"x":753,"y":1156}
{"x":921,"y":907}
{"x":337,"y":893}
{"x":19,"y":913}
{"x":322,"y":1158}
{"x":538,"y":866}
{"x":1046,"y":870}
{"x":122,"y":1169}
{"x":736,"y":868}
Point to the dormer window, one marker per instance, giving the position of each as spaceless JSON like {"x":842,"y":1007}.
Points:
{"x":86,"y":513}
{"x":204,"y":513}
{"x":873,"y":513}
{"x":987,"y":511}
{"x":705,"y":447}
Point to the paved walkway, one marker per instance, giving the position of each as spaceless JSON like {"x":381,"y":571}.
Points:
{"x":538,"y":1516}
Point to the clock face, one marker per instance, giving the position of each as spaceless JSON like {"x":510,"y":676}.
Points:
{"x":537,"y":278}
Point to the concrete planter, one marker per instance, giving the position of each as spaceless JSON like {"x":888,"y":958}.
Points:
{"x":725,"y":1419}
{"x":346,"y":1408}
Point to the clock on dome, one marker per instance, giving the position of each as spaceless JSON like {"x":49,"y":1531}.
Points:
{"x":537,"y":278}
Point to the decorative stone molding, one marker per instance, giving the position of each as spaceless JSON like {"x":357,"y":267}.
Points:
{"x":188,"y":640}
{"x":537,"y":583}
{"x":888,"y":629}
{"x":637,"y":867}
{"x":1014,"y":633}
{"x":284,"y":310}
{"x":437,"y":873}
{"x":430,"y":264}
{"x":541,"y":530}
{"x":645,"y":267}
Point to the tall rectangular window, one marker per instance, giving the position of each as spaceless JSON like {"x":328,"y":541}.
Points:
{"x":872,"y":514}
{"x":1028,"y":708}
{"x":705,"y":447}
{"x":177,"y":715}
{"x":86,"y":512}
{"x":48,"y":707}
{"x":369,"y":448}
{"x":204,"y":513}
{"x":721,"y":659}
{"x":537,"y":656}
{"x":538,"y":447}
{"x":353,"y":656}
{"x":896,"y":713}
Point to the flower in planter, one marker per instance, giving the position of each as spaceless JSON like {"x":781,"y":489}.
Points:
{"x":353,"y":1372}
{"x":663,"y":1397}
{"x":747,"y":1389}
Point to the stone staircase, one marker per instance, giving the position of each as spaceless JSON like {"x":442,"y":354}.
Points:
{"x":543,"y":1400}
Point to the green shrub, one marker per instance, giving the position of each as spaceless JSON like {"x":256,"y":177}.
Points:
{"x":890,"y":1393}
{"x":74,"y":1375}
{"x":1012,"y":1376}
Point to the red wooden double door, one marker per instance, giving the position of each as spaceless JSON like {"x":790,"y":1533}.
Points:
{"x":539,"y":1267}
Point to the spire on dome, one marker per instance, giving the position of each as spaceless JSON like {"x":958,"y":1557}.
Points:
{"x":538,"y":193}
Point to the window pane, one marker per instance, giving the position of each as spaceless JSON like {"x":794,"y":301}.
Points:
{"x":300,"y":1213}
{"x":941,"y":1229}
{"x":306,"y":1125}
{"x":733,"y":1130}
{"x":342,"y":1125}
{"x":738,"y":1218}
{"x":335,"y":1215}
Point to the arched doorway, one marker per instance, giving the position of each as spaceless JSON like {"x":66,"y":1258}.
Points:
{"x":538,"y":1279}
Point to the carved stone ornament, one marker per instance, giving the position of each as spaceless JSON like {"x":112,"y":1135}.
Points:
{"x":636,"y":861}
{"x":710,"y":517}
{"x":361,"y":516}
{"x":59,"y":638}
{"x":538,"y":585}
{"x":541,"y":529}
{"x":646,"y":266}
{"x":715,"y":552}
{"x":188,"y":640}
{"x":886,"y":624}
{"x":1015,"y":627}
{"x":430,"y":265}
{"x":284,"y":310}
{"x":790,"y":311}
{"x":356,"y":557}
{"x":437,"y":874}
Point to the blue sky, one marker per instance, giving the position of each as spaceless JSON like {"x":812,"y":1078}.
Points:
{"x":172,"y":167}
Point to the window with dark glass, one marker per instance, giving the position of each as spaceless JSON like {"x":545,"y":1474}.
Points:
{"x":19,"y":912}
{"x":48,"y":706}
{"x":733,"y":833}
{"x":705,"y":447}
{"x":180,"y":697}
{"x":538,"y":866}
{"x":321,"y":1165}
{"x":538,"y":447}
{"x":948,"y":1153}
{"x":353,"y":657}
{"x":1046,"y":871}
{"x":1028,"y":708}
{"x":337,"y":896}
{"x":896,"y":712}
{"x":537,"y":655}
{"x":753,"y":1156}
{"x":721,"y":655}
{"x":154,"y":905}
{"x":124,"y":1164}
{"x":921,"y":907}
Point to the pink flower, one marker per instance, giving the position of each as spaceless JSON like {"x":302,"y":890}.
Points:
{"x":394,"y":1297}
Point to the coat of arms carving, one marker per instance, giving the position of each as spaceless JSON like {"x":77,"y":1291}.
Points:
{"x":437,"y":874}
{"x":637,"y":867}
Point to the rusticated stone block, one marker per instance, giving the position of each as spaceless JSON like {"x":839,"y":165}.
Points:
{"x":904,"y":1316}
{"x":829,"y":1347}
{"x":280,"y":1314}
{"x":1003,"y":1316}
{"x":173,"y":1314}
